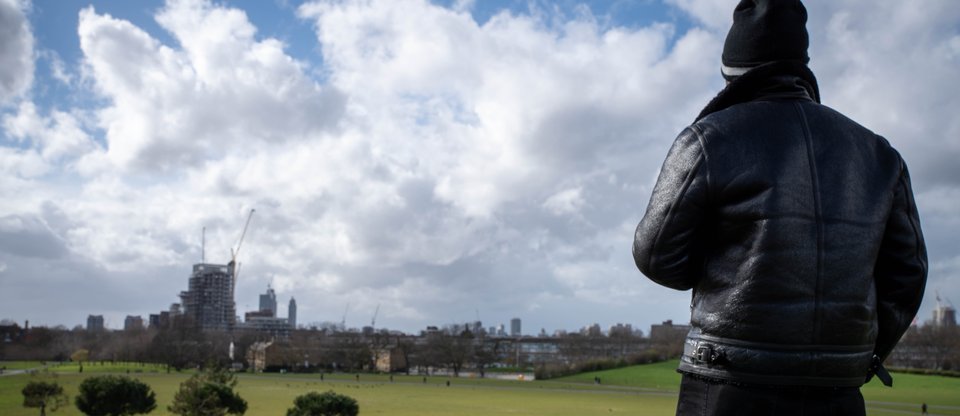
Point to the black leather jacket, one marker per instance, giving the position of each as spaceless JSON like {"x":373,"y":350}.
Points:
{"x":797,"y":230}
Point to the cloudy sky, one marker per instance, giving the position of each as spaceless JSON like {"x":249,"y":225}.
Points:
{"x":444,"y":159}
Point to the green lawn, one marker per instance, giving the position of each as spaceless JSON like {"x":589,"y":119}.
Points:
{"x":659,"y":376}
{"x":20,"y":365}
{"x":639,"y":390}
{"x":942,"y":394}
{"x":272,"y":394}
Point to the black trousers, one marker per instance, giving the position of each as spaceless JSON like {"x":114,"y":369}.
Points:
{"x":700,"y":397}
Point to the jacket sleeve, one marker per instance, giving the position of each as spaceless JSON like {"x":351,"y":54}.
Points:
{"x":900,"y":273}
{"x":665,"y":246}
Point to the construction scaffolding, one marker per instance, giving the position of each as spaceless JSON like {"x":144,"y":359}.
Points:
{"x":208,"y":303}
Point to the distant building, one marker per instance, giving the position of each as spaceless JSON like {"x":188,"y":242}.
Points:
{"x":292,"y":313}
{"x":257,"y":356}
{"x":667,"y":331}
{"x":165,"y":319}
{"x":944,"y":315}
{"x":268,"y":302}
{"x":592,"y":331}
{"x":209,"y":303}
{"x":515,"y":327}
{"x":621,"y":330}
{"x":256,"y":314}
{"x":278,"y":328}
{"x":388,"y":360}
{"x":95,"y":323}
{"x":133,"y":323}
{"x":11,"y":332}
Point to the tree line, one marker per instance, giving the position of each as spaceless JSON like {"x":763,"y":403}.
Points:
{"x":451,"y":349}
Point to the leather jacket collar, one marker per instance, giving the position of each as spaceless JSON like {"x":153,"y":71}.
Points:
{"x":772,"y":81}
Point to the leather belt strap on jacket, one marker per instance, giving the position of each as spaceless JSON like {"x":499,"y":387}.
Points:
{"x":771,"y":364}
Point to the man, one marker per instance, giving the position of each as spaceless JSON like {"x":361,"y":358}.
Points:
{"x":796,"y":229}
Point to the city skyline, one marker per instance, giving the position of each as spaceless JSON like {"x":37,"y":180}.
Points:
{"x":436,"y":161}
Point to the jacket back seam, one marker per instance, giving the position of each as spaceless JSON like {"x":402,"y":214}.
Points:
{"x":818,"y":213}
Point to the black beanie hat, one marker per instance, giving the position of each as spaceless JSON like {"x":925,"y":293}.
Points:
{"x":765,"y":31}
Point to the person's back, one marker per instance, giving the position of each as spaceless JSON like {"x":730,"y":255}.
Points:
{"x":799,"y":199}
{"x":796,"y":229}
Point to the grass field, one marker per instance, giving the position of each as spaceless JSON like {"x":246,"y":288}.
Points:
{"x":19,"y":365}
{"x":640,"y":390}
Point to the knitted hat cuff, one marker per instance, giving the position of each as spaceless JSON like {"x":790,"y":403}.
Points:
{"x":734,"y":71}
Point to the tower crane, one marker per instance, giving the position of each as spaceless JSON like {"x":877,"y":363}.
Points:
{"x":343,"y":322}
{"x":373,"y":322}
{"x":235,"y":251}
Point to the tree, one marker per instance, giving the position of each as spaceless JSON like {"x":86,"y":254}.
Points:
{"x":80,"y":356}
{"x":115,"y":396}
{"x":209,"y":393}
{"x":179,"y":346}
{"x":44,"y":394}
{"x":324,"y":404}
{"x":486,"y":352}
{"x":407,"y":349}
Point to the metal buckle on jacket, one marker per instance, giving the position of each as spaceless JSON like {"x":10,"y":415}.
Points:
{"x":706,"y":353}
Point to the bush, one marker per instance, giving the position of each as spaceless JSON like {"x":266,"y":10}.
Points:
{"x":324,"y":404}
{"x":209,"y":393}
{"x":115,"y":396}
{"x":44,"y":394}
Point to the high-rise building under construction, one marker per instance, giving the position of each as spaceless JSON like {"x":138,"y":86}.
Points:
{"x":208,"y":303}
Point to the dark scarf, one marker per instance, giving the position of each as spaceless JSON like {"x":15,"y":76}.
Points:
{"x":781,"y":79}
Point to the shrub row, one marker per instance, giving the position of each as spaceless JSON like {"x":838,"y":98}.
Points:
{"x":549,"y":371}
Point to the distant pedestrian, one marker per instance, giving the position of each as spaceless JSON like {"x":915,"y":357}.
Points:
{"x":391,"y":378}
{"x":358,"y":377}
{"x":923,"y":409}
{"x":424,"y":380}
{"x":448,"y":383}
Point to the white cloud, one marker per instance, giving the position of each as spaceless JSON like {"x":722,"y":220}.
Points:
{"x":716,"y":15}
{"x":57,"y":137}
{"x":888,"y":68}
{"x":21,"y":163}
{"x":565,"y":202}
{"x":511,"y":105}
{"x":16,"y":50}
{"x":223,"y":91}
{"x":58,"y":69}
